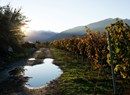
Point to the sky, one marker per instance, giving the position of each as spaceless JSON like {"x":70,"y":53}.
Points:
{"x":60,"y":15}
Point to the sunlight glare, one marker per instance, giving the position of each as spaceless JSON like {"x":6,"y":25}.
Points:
{"x":23,"y":28}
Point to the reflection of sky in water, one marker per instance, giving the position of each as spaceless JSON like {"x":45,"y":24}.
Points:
{"x":31,"y":59}
{"x":42,"y":73}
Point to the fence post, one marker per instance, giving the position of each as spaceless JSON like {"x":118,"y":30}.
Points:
{"x":112,"y":65}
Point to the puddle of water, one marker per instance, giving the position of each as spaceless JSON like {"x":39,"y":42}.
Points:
{"x":31,"y":59}
{"x":42,"y":74}
{"x":38,"y":51}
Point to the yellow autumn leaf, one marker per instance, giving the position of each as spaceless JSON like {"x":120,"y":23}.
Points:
{"x":123,"y":75}
{"x":116,"y":68}
{"x":117,"y":50}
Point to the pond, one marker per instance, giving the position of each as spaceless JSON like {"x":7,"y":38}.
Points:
{"x":41,"y":74}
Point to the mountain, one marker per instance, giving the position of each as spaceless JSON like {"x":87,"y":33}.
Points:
{"x":80,"y":30}
{"x":100,"y":25}
{"x":76,"y":31}
{"x":39,"y":35}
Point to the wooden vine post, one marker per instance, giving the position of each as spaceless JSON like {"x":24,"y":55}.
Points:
{"x":111,"y":62}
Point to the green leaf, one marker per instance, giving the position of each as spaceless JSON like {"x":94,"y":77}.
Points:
{"x":108,"y":48}
{"x":108,"y":61}
{"x":117,"y":50}
{"x":108,"y":56}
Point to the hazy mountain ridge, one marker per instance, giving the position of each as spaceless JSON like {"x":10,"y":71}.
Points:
{"x":76,"y":31}
{"x":39,"y":35}
{"x":80,"y":30}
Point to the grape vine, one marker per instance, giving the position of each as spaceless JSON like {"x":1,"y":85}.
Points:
{"x":94,"y":47}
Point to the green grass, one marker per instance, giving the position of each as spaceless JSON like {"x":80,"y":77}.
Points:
{"x":79,"y":78}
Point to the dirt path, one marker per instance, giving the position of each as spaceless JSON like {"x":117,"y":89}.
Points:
{"x":46,"y":52}
{"x":7,"y":86}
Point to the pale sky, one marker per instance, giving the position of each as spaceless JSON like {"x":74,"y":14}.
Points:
{"x":59,"y":15}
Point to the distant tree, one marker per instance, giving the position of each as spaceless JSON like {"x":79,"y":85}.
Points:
{"x":11,"y":21}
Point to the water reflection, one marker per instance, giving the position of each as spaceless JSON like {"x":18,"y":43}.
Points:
{"x":14,"y":83}
{"x":38,"y":74}
{"x":17,"y":71}
{"x":31,"y":59}
{"x":35,"y":76}
{"x":42,"y":74}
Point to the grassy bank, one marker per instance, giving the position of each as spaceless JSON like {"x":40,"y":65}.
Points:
{"x":80,"y":78}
